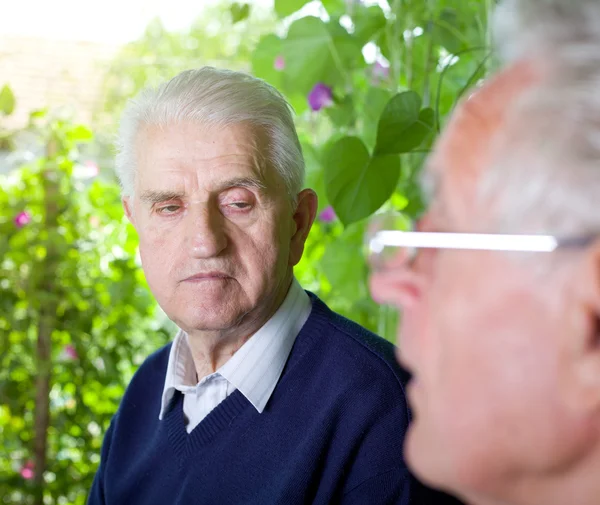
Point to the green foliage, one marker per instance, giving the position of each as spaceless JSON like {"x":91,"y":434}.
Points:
{"x":67,"y":268}
{"x":364,"y":151}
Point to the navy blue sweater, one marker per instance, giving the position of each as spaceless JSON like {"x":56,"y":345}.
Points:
{"x":332,"y":432}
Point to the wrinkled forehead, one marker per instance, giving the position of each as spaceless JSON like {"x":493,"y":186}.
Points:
{"x":464,"y":148}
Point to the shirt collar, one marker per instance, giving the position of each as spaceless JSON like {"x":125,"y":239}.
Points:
{"x":256,"y":367}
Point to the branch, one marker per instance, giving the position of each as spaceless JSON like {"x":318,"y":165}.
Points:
{"x":47,"y":323}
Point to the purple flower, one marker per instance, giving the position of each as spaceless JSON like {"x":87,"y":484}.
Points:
{"x":328,"y":215}
{"x":380,"y":71}
{"x":320,"y":96}
{"x":279,"y":63}
{"x":70,"y":352}
{"x":27,"y":470}
{"x":22,"y":218}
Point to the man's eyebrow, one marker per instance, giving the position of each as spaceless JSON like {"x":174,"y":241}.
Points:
{"x":243,"y":182}
{"x":151,"y":196}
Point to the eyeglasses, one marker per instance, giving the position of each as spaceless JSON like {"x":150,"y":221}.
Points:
{"x":389,"y":231}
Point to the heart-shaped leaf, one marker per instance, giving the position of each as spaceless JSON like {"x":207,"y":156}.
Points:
{"x":239,"y":12}
{"x":402,"y":125}
{"x":356,"y":183}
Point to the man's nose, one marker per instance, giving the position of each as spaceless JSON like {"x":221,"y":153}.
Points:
{"x":206,"y":233}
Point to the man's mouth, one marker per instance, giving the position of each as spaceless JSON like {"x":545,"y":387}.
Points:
{"x":207,"y":276}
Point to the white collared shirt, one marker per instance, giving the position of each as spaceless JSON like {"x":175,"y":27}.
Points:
{"x":254,"y":369}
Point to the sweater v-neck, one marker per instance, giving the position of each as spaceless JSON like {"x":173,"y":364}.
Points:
{"x":223,"y":415}
{"x":215,"y":422}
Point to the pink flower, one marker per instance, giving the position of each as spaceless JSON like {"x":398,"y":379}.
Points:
{"x":92,"y":168}
{"x":27,"y":470}
{"x":88,"y":170}
{"x":320,"y":96}
{"x":70,"y":352}
{"x":328,"y":215}
{"x":380,"y":71}
{"x":279,"y":63}
{"x":94,"y":221}
{"x":22,"y":218}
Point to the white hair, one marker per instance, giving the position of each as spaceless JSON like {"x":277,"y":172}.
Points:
{"x":217,"y":98}
{"x":545,"y":173}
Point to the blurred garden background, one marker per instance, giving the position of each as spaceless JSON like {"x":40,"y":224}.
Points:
{"x":371,"y":81}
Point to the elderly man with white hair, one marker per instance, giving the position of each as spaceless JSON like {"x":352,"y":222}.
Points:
{"x":265,"y":396}
{"x":501,"y":302}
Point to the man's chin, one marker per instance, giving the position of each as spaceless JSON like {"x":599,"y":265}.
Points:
{"x":421,"y":457}
{"x":211,"y":313}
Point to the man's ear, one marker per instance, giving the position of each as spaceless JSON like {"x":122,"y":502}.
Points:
{"x":304,"y":217}
{"x":128,"y":207}
{"x":584,"y":345}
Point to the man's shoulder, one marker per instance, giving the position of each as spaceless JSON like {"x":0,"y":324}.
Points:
{"x":356,"y":350}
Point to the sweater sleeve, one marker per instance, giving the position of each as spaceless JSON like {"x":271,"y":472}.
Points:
{"x":387,"y":488}
{"x":96,"y":496}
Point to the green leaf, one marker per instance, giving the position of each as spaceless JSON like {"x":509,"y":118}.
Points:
{"x":80,"y":133}
{"x":448,"y":31}
{"x":334,"y":6}
{"x":375,"y":101}
{"x":7,"y":100}
{"x":368,"y":21}
{"x":239,"y":12}
{"x":284,"y":8}
{"x":263,"y":59}
{"x":356,"y":184}
{"x":403,"y":126}
{"x":347,"y":47}
{"x":38,"y":114}
{"x":317,"y":52}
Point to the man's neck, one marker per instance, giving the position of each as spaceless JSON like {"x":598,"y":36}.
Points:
{"x":212,"y":349}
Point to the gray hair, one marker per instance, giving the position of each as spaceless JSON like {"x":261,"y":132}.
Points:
{"x":218,"y":98}
{"x":545,"y":174}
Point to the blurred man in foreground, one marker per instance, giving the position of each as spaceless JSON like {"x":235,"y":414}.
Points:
{"x":502,"y":332}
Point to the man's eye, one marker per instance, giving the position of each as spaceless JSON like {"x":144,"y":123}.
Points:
{"x":240,"y":205}
{"x":168,"y":209}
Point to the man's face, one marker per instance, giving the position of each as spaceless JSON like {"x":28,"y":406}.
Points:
{"x":218,"y":234}
{"x":482,"y":332}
